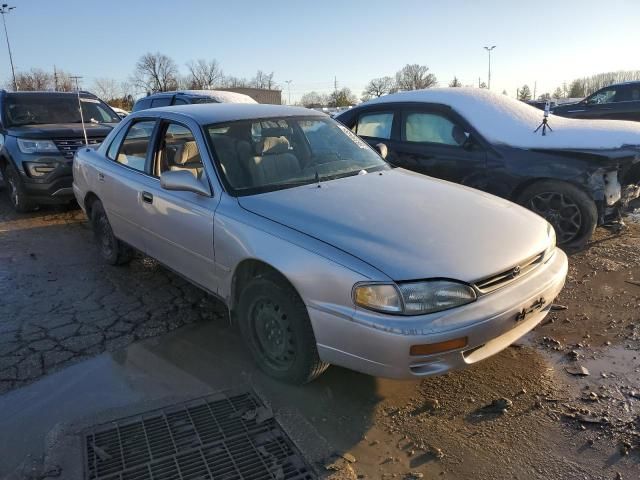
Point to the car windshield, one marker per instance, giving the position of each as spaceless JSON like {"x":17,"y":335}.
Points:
{"x":43,"y":109}
{"x":257,"y":156}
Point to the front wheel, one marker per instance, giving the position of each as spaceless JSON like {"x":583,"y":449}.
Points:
{"x":17,"y":196}
{"x":571,"y":212}
{"x":275,"y":325}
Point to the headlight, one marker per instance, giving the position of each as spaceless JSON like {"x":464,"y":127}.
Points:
{"x":415,"y":298}
{"x":36,"y":169}
{"x":37,"y":146}
{"x":434,"y":296}
{"x":551,"y":233}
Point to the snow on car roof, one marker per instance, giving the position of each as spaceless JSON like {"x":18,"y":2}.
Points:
{"x":221,"y":96}
{"x":501,"y":119}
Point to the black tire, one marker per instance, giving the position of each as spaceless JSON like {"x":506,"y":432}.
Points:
{"x":275,"y":325}
{"x":112,"y":250}
{"x":571,"y":211}
{"x":17,"y":196}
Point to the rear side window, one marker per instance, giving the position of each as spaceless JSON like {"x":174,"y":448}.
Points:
{"x":142,"y":104}
{"x":377,"y":125}
{"x":133,"y":150}
{"x":161,"y":102}
{"x":179,"y":101}
{"x":430,"y":128}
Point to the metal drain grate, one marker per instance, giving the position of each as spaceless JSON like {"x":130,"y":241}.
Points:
{"x":226,"y":436}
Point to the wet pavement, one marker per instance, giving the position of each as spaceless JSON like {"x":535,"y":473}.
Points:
{"x":83,"y":343}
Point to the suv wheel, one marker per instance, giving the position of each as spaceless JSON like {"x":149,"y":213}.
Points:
{"x":571,"y":211}
{"x":275,"y":325}
{"x":112,"y":250}
{"x":17,"y":196}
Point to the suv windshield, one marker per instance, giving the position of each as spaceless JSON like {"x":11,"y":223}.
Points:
{"x":42,"y":109}
{"x":257,"y":156}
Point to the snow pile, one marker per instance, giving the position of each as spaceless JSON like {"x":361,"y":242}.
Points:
{"x":222,"y":96}
{"x":501,"y":119}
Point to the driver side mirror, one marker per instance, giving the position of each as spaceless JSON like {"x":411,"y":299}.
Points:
{"x":382,"y":150}
{"x":183,"y":181}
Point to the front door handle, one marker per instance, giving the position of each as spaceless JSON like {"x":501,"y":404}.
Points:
{"x":101,"y":176}
{"x":147,"y":197}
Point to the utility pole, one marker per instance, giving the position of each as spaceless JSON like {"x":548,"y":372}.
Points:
{"x":535,"y":86}
{"x":288,"y":82}
{"x":488,"y":49}
{"x":55,"y":78}
{"x":5,"y":10}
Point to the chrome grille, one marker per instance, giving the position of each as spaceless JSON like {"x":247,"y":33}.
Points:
{"x":501,"y":279}
{"x":69,"y":146}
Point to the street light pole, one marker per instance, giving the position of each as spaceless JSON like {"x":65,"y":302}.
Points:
{"x":488,"y":49}
{"x":4,"y":10}
{"x":288,"y":82}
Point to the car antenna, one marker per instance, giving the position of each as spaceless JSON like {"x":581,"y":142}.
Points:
{"x":84,"y":129}
{"x":318,"y":179}
{"x":545,"y":124}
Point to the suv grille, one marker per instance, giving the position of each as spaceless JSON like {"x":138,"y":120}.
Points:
{"x":69,"y":146}
{"x":501,"y":279}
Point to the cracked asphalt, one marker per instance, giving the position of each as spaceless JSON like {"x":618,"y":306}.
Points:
{"x":60,"y":304}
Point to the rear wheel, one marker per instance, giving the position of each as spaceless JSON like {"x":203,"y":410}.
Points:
{"x":275,"y":325}
{"x":112,"y":250}
{"x":17,"y":196}
{"x":571,"y":211}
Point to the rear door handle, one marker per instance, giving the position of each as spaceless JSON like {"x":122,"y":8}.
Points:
{"x":101,"y":176}
{"x":147,"y":197}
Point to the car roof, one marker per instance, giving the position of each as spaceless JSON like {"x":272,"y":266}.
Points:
{"x":50,"y":94}
{"x":228,"y":112}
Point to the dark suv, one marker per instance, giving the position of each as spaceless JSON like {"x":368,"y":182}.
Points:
{"x":39,"y":134}
{"x":615,"y":102}
{"x":186,"y":97}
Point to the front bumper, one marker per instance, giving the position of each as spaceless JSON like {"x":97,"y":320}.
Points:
{"x":379,"y":345}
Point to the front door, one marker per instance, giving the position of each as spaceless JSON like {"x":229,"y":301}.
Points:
{"x":179,"y":224}
{"x":436,"y":144}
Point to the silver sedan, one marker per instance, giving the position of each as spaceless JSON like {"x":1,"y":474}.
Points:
{"x":323,"y":253}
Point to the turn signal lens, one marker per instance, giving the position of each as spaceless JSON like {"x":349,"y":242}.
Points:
{"x":431,"y":348}
{"x":379,"y":297}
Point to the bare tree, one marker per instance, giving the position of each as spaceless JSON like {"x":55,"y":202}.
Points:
{"x":455,"y":82}
{"x":558,"y":93}
{"x":314,"y":100}
{"x":482,"y":85}
{"x":415,"y":77}
{"x":107,"y":89}
{"x":203,"y":74}
{"x":544,"y":97}
{"x":33,"y":80}
{"x":378,"y":87}
{"x":342,"y":98}
{"x":156,"y":72}
{"x":234,"y":82}
{"x":263,"y":80}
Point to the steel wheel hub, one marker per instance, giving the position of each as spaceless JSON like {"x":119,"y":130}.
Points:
{"x":560,"y":211}
{"x":273,"y":334}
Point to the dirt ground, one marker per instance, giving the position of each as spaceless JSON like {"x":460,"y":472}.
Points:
{"x":562,"y":403}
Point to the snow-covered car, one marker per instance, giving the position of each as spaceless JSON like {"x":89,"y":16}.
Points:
{"x":120,"y":111}
{"x":577,"y":174}
{"x":188,"y":97}
{"x":323,"y":253}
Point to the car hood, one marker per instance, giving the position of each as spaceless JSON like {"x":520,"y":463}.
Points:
{"x":61,"y":130}
{"x":410,"y":226}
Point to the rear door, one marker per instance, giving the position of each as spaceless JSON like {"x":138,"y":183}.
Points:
{"x":122,"y":179}
{"x":435,"y":142}
{"x":179,"y":225}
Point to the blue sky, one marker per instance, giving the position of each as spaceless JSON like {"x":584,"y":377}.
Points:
{"x":310,"y":42}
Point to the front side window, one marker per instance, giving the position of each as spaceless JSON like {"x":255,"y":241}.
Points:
{"x":376,"y":125}
{"x":429,"y":128}
{"x":133,"y":150}
{"x":55,"y":109}
{"x":178,"y":152}
{"x":256,"y":156}
{"x":603,"y":96}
